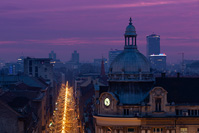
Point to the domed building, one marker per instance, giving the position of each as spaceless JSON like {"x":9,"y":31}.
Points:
{"x":134,"y":103}
{"x":129,"y":76}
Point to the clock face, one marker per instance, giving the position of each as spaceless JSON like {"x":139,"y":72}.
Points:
{"x":107,"y":101}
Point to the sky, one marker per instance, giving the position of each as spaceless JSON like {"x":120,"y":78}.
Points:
{"x":35,"y":27}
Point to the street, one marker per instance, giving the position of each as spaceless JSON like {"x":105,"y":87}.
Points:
{"x":64,"y":116}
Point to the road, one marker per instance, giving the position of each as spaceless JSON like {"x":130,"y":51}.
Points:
{"x":64,"y":116}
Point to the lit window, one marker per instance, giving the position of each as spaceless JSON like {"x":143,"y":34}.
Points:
{"x":183,"y":130}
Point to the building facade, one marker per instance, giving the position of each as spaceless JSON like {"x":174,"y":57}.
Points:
{"x":153,"y":45}
{"x":75,"y":57}
{"x":39,"y":67}
{"x":52,"y":55}
{"x":158,"y":62}
{"x":136,"y":102}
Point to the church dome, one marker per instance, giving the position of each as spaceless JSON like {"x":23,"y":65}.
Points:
{"x":130,"y":29}
{"x":129,"y":77}
{"x":130,"y":61}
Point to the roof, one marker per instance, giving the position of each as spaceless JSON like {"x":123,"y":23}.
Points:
{"x":180,"y":90}
{"x":30,"y":81}
{"x":23,"y":86}
{"x":129,"y":61}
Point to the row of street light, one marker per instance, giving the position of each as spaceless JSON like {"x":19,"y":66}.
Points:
{"x":64,"y":117}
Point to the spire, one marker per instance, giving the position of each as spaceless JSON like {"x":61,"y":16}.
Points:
{"x":102,"y":68}
{"x":130,"y":20}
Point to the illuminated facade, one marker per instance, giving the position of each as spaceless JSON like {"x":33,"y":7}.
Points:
{"x":158,"y":62}
{"x":134,"y":101}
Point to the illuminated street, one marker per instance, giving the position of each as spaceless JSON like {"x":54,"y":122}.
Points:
{"x":64,"y":119}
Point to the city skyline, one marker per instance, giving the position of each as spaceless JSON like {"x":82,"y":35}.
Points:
{"x":93,"y":28}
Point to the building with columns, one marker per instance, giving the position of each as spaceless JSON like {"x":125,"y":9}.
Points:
{"x":136,"y":102}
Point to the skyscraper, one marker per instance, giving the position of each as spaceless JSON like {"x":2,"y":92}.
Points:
{"x":153,"y":45}
{"x":52,"y":55}
{"x":75,"y":57}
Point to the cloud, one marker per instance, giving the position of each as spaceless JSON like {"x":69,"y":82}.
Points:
{"x":7,"y":42}
{"x":90,"y":6}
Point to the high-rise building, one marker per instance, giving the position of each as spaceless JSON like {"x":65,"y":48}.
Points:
{"x":39,"y":67}
{"x":75,"y":57}
{"x":153,"y":45}
{"x":113,"y":54}
{"x":52,"y":55}
{"x":158,"y":62}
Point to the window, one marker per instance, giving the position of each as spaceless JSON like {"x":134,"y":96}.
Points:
{"x":158,"y":104}
{"x":30,"y":70}
{"x":30,"y":63}
{"x":177,"y":112}
{"x":195,"y":112}
{"x":36,"y":68}
{"x":126,"y":111}
{"x":189,"y":112}
{"x":36,"y":71}
{"x":157,"y":130}
{"x":183,"y":130}
{"x":131,"y":130}
{"x":108,"y":130}
{"x":169,"y":131}
{"x":198,"y":130}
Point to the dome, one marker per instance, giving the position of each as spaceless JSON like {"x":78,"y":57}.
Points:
{"x":130,"y":61}
{"x":130,"y":29}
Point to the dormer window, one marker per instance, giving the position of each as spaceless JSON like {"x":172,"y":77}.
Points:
{"x":158,"y":104}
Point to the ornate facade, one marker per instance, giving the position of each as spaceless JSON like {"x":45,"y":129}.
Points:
{"x":134,"y":103}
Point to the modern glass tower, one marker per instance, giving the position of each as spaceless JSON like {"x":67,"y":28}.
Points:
{"x":153,"y":45}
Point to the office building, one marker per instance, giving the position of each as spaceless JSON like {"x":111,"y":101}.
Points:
{"x":158,"y":62}
{"x":52,"y":55}
{"x":153,"y":45}
{"x":39,"y":67}
{"x":75,"y":57}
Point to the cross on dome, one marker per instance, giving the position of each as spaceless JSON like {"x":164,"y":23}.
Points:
{"x":130,"y":21}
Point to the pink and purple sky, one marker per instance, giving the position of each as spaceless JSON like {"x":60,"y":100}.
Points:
{"x":35,"y":27}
